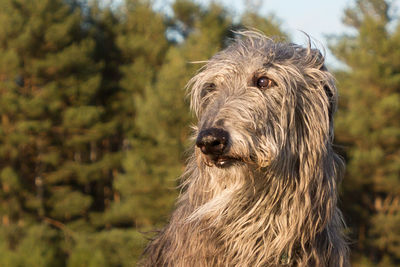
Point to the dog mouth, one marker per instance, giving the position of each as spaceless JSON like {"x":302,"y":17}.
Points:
{"x":222,"y":161}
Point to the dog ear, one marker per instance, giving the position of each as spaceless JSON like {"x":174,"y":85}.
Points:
{"x":329,"y":89}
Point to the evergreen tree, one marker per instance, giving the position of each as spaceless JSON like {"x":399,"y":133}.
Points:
{"x":368,"y":128}
{"x":124,"y":49}
{"x":142,"y":44}
{"x":132,"y":49}
{"x":60,"y":136}
{"x":45,"y":69}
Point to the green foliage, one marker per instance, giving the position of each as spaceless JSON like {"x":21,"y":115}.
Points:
{"x":60,"y":138}
{"x":34,"y":245}
{"x":368,"y":128}
{"x":94,"y":124}
{"x":107,"y":248}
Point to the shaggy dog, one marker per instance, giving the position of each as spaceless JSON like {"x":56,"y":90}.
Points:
{"x":260,"y":188}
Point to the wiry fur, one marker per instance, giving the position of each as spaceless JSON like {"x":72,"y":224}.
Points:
{"x":277,"y":205}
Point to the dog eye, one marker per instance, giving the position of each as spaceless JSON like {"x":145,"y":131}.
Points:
{"x":264,"y":83}
{"x":207,"y":88}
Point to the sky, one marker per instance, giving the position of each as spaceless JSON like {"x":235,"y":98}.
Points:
{"x":318,"y":18}
{"x":315,"y":17}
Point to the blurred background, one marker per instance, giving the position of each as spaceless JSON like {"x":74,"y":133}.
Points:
{"x":94,"y":122}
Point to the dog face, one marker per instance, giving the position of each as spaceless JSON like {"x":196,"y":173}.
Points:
{"x":260,"y":101}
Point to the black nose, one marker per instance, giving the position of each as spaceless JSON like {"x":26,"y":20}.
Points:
{"x":212,"y":141}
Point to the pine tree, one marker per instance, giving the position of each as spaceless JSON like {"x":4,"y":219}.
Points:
{"x":60,"y":139}
{"x":142,"y":45}
{"x":131,"y":49}
{"x":121,"y":48}
{"x":45,"y":61}
{"x":368,"y":128}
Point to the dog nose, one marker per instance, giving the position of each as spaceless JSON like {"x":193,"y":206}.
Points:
{"x":212,"y":141}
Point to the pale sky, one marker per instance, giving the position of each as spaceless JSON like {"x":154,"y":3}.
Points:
{"x":318,"y":18}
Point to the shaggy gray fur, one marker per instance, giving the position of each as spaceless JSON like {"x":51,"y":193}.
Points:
{"x":268,"y":197}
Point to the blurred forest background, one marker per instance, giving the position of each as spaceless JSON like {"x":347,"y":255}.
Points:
{"x":94,"y":124}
